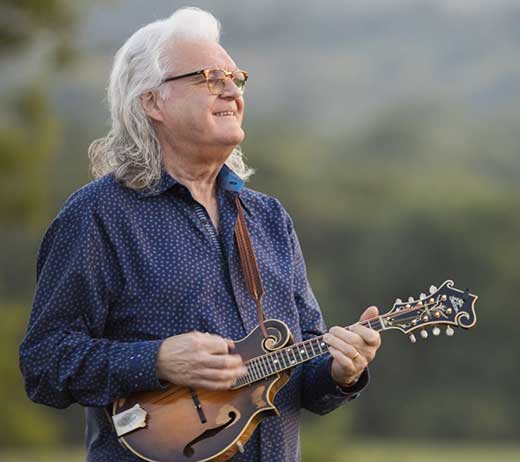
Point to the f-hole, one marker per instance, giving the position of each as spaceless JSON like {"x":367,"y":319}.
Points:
{"x":188,"y":449}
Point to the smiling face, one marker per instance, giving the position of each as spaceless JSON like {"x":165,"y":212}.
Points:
{"x":188,"y":117}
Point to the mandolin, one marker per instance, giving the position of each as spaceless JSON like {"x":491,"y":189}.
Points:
{"x":180,"y":424}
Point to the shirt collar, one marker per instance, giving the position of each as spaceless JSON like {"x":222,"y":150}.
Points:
{"x":227,"y":180}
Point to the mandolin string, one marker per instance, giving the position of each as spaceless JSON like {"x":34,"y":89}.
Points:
{"x":260,"y":358}
{"x":387,"y":316}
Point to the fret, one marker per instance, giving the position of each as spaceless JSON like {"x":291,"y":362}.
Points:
{"x":273,"y":361}
{"x":317,"y":346}
{"x":284,"y":359}
{"x":253,"y":371}
{"x":303,"y":351}
{"x":258,"y":369}
{"x":296,"y":353}
{"x":279,"y":363}
{"x":298,"y":350}
{"x":309,"y":349}
{"x":287,"y":358}
{"x":262,"y":366}
{"x":312,"y":347}
{"x":265,"y":363}
{"x":269,"y":364}
{"x":294,"y":360}
{"x":252,"y":367}
{"x":323,"y":346}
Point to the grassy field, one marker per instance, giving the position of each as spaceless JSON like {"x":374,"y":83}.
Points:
{"x":360,"y":451}
{"x":380,"y":451}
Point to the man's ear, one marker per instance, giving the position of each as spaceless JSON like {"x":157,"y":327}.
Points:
{"x":150,"y":102}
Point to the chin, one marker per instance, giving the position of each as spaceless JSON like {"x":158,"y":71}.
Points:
{"x":233,"y":139}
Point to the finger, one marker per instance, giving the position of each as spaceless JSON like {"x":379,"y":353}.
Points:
{"x":213,"y":385}
{"x":350,"y":365}
{"x":222,"y":361}
{"x":345,"y":362}
{"x":369,"y":336}
{"x":215,"y":344}
{"x":369,"y":313}
{"x":340,"y":345}
{"x":230,"y":343}
{"x":219,"y":375}
{"x":347,"y":335}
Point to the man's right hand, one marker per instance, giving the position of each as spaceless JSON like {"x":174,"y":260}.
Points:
{"x":199,"y":360}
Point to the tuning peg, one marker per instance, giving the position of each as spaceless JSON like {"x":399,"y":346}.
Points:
{"x":449,"y":331}
{"x":412,"y":338}
{"x":436,"y":331}
{"x":424,"y":333}
{"x":398,"y":301}
{"x":410,"y":299}
{"x":433,"y":289}
{"x":422,"y":296}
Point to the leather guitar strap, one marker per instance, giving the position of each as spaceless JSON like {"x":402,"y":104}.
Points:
{"x":249,"y":265}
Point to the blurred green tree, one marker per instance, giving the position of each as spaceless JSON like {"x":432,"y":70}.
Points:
{"x":30,"y":135}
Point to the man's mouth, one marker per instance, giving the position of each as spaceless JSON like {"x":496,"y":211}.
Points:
{"x":224,"y":113}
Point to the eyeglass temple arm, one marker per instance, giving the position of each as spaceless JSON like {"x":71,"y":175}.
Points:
{"x":191,"y":74}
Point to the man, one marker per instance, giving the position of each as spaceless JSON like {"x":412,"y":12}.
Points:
{"x":139,"y":278}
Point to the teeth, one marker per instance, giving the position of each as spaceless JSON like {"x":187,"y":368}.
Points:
{"x":224,"y":113}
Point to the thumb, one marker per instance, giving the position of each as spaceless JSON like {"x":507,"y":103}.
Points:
{"x":369,"y":313}
{"x":230,"y":344}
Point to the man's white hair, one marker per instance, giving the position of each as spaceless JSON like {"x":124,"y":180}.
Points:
{"x":131,"y":149}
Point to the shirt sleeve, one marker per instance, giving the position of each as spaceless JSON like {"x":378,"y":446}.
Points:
{"x":320,"y":393}
{"x":64,"y":357}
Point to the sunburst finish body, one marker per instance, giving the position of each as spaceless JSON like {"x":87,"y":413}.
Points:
{"x":175,"y":431}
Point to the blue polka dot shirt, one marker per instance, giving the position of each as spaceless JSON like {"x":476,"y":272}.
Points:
{"x":120,"y":270}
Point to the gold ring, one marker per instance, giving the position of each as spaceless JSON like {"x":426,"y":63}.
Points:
{"x":355,"y":356}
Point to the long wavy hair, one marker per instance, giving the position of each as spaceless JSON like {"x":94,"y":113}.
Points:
{"x":131,"y":150}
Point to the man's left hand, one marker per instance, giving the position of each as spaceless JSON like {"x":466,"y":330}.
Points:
{"x":352,"y":349}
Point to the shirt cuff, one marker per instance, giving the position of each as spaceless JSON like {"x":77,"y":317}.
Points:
{"x":140,"y":371}
{"x":353,"y":391}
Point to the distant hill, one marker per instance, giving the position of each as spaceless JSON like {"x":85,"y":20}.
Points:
{"x":335,"y":63}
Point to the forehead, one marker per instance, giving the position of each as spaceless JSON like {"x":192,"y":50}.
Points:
{"x":192,"y":56}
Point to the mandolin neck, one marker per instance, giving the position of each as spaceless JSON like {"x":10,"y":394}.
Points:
{"x":286,"y":358}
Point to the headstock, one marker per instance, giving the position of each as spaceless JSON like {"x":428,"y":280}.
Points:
{"x":445,"y":305}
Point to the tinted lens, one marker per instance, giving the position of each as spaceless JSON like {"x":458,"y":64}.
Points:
{"x":239,"y":78}
{"x":216,"y":81}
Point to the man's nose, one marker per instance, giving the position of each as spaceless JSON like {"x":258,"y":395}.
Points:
{"x":231,"y":90}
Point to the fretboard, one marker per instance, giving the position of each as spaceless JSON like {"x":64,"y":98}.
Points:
{"x":264,"y":366}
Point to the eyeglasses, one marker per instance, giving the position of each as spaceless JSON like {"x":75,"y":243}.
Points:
{"x":216,"y":79}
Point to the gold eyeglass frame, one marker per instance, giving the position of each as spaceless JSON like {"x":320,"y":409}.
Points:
{"x":205,"y":73}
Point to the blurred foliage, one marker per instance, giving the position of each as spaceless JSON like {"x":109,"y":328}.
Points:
{"x":382,"y":220}
{"x":30,"y":134}
{"x":24,"y":424}
{"x":21,"y":21}
{"x":27,"y":141}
